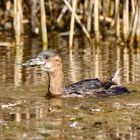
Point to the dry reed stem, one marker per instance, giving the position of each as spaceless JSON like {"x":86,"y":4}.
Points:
{"x":63,"y":11}
{"x":117,"y":18}
{"x":138,"y":23}
{"x":89,"y":18}
{"x":43,"y":23}
{"x":96,"y":19}
{"x":134,"y":25}
{"x":78,"y":20}
{"x":74,"y":3}
{"x":126,"y":19}
{"x":18,"y":21}
{"x":34,"y":28}
{"x":130,"y":29}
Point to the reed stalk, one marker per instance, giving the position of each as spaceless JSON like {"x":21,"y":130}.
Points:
{"x":89,"y":18}
{"x":78,"y":20}
{"x":111,"y":8}
{"x":63,"y":11}
{"x":43,"y":23}
{"x":134,"y":25}
{"x":18,"y":21}
{"x":74,"y":4}
{"x":105,"y":2}
{"x":126,"y":20}
{"x":132,"y":15}
{"x":133,"y":5}
{"x":15,"y":17}
{"x":138,"y":23}
{"x":117,"y":18}
{"x":96,"y":19}
{"x":34,"y":27}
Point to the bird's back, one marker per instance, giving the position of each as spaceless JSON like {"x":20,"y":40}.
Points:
{"x":83,"y":86}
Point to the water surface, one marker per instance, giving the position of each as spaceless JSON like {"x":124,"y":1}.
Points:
{"x":26,"y":114}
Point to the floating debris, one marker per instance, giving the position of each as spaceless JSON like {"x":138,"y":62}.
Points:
{"x":9,"y":105}
{"x":74,"y":124}
{"x":116,"y":105}
{"x":133,"y":104}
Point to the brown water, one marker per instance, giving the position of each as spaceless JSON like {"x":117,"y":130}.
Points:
{"x":25,"y":113}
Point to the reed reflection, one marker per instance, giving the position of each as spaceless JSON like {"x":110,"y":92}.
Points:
{"x":30,"y":121}
{"x":6,"y":65}
{"x":89,"y":62}
{"x":17,"y":69}
{"x":35,"y":118}
{"x":103,"y":62}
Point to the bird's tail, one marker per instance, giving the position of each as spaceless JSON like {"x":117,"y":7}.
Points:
{"x":116,"y":77}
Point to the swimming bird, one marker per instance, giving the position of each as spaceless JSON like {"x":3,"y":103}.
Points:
{"x":51,"y":62}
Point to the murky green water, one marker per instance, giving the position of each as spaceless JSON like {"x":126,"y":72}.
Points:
{"x":26,"y":114}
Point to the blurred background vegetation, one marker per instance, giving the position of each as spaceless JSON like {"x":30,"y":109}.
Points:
{"x":96,"y":19}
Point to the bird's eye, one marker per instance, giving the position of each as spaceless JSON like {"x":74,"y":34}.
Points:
{"x":46,"y":57}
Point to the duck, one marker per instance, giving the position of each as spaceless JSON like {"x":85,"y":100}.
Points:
{"x":51,"y":62}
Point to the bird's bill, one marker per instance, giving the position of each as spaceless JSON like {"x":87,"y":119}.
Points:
{"x":34,"y":62}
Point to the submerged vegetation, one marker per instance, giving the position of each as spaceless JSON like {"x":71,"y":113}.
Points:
{"x":95,"y":18}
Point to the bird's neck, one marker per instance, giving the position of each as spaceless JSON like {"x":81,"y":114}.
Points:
{"x":56,"y":83}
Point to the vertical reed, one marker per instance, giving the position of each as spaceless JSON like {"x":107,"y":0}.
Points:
{"x":74,"y":3}
{"x":78,"y":20}
{"x":135,"y":25}
{"x":117,"y":18}
{"x":138,"y":23}
{"x":132,"y":14}
{"x":89,"y":18}
{"x":63,"y":11}
{"x":133,"y":4}
{"x":34,"y":27}
{"x":43,"y":23}
{"x":18,"y":21}
{"x":96,"y":19}
{"x":129,"y":16}
{"x":111,"y":8}
{"x":126,"y":19}
{"x":105,"y":2}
